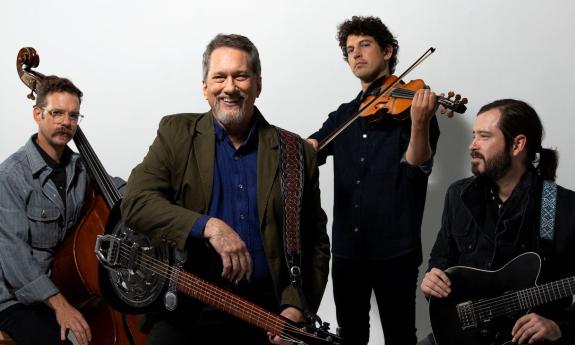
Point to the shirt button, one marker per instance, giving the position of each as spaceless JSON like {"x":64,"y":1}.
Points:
{"x":364,"y":136}
{"x":356,"y":205}
{"x":362,"y":159}
{"x":357,"y":181}
{"x":241,"y":186}
{"x":236,"y":157}
{"x":43,"y":215}
{"x":242,"y":216}
{"x":356,"y":229}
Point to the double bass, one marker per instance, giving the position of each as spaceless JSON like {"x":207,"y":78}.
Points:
{"x":75,"y":266}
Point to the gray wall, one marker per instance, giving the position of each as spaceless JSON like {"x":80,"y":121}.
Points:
{"x":138,"y":60}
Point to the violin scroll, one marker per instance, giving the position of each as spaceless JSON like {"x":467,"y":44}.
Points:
{"x":453,"y":102}
{"x":26,"y":60}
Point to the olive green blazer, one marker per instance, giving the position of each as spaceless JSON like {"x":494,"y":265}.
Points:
{"x":172,"y":187}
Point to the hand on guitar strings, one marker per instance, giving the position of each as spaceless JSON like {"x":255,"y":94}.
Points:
{"x":236,"y":260}
{"x":533,"y":328}
{"x":293,"y":314}
{"x":436,"y":283}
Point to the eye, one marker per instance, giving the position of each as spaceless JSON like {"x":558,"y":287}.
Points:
{"x":242,"y":77}
{"x":349,"y":50}
{"x":74,"y":116}
{"x":57,"y":112}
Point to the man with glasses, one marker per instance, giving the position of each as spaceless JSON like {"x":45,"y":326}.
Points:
{"x":42,"y":190}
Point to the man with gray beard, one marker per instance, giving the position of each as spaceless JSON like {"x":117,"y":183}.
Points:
{"x":214,"y":177}
{"x":501,"y":213}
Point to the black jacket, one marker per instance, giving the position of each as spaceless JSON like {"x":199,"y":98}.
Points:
{"x":463,"y":240}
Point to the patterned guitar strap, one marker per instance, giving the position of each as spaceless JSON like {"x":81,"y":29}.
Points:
{"x":292,"y":184}
{"x":547,"y":226}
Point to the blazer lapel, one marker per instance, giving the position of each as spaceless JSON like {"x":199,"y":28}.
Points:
{"x":268,"y":163}
{"x":204,"y":151}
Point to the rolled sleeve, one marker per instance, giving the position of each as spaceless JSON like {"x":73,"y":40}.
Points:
{"x":425,"y":167}
{"x":37,"y":290}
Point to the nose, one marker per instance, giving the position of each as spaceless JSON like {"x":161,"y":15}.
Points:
{"x":66,"y":120}
{"x":473,"y":144}
{"x":229,"y":85}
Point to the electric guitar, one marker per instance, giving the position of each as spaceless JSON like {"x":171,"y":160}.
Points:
{"x":135,"y":276}
{"x":484,"y":305}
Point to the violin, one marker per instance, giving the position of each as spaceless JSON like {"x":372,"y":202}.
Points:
{"x":75,"y":268}
{"x":393,"y":99}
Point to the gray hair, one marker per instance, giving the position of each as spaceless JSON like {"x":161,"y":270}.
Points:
{"x":232,"y":41}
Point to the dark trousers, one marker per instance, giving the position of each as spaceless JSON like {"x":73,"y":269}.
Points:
{"x":31,"y":325}
{"x":194,"y":324}
{"x":394,"y":283}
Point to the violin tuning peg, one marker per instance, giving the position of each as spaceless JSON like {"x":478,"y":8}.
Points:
{"x":464,"y":101}
{"x":450,"y":94}
{"x":450,"y":114}
{"x":457,"y":97}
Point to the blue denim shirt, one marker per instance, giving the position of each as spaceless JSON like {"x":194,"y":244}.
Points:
{"x":33,"y":221}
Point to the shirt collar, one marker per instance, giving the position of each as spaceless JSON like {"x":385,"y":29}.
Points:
{"x":221,"y":134}
{"x":64,"y":160}
{"x":372,"y":89}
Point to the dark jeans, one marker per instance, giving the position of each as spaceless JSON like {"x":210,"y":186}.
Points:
{"x":394,"y":283}
{"x":31,"y":325}
{"x":194,"y":324}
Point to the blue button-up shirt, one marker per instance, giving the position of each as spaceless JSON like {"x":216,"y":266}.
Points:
{"x":234,"y":195}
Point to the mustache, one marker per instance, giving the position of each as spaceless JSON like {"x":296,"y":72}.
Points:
{"x":476,"y":154}
{"x":235,"y":96}
{"x":63,"y":131}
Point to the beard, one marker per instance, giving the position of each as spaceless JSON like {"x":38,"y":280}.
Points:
{"x":231,"y":118}
{"x":494,"y":168}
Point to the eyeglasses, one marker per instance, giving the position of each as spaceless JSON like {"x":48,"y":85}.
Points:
{"x":58,"y":115}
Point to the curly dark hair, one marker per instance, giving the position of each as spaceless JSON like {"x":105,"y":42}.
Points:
{"x":52,"y":84}
{"x":368,"y":26}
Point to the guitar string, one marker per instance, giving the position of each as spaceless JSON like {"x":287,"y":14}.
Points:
{"x":256,"y":313}
{"x":156,"y":267}
{"x":212,"y":297}
{"x":259,"y":314}
{"x":510,"y":303}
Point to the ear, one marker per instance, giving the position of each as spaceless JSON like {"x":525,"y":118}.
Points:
{"x":387,"y":52}
{"x":259,"y":86}
{"x":519,"y":144}
{"x":37,"y":113}
{"x":205,"y":89}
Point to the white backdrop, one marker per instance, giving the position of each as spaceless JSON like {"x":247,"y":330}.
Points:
{"x":139,"y":60}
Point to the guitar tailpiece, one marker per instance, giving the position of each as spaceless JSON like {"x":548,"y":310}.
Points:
{"x":171,"y":297}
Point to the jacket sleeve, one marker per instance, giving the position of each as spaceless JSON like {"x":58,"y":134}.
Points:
{"x":315,"y":241}
{"x":149,"y":197}
{"x":444,"y":253}
{"x":20,"y":269}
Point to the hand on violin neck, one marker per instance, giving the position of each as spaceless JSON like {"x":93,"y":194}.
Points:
{"x":423,"y":107}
